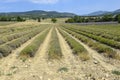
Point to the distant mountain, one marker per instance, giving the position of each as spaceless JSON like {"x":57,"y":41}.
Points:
{"x":116,"y":12}
{"x":39,"y":13}
{"x":100,"y":13}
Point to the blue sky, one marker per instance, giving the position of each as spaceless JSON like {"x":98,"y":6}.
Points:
{"x":74,"y":6}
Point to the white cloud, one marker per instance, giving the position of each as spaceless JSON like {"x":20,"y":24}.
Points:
{"x":44,"y":1}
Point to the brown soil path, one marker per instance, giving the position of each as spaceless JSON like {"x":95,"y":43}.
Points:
{"x":69,"y":61}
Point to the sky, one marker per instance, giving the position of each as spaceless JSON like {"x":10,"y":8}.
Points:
{"x":79,"y":7}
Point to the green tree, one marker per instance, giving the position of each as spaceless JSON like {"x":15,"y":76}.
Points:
{"x":70,"y":21}
{"x":54,"y":20}
{"x":19,"y":19}
{"x":3,"y":18}
{"x":116,"y":18}
{"x":39,"y":19}
{"x":43,"y":18}
{"x":119,"y":19}
{"x":107,"y":18}
{"x":77,"y":19}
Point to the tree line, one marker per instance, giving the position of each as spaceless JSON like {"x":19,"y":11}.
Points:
{"x":85,"y":19}
{"x":7,"y":18}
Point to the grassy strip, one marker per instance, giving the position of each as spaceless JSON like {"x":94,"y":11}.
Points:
{"x":6,"y":49}
{"x":54,"y":50}
{"x":16,"y":43}
{"x":101,"y":34}
{"x":109,"y":29}
{"x":77,"y":48}
{"x":101,"y":48}
{"x":14,"y":29}
{"x":6,"y":23}
{"x":11,"y":37}
{"x":108,"y":42}
{"x":32,"y":48}
{"x":109,"y":33}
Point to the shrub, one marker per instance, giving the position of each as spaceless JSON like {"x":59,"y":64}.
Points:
{"x":54,"y":20}
{"x":65,"y":69}
{"x":2,"y":41}
{"x":118,"y":18}
{"x":5,"y":50}
{"x":116,"y":72}
{"x":18,"y":42}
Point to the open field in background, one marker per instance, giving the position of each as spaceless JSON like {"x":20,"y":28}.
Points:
{"x":40,"y":51}
{"x":6,"y":23}
{"x":59,"y":20}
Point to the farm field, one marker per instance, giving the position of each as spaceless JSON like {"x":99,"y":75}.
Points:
{"x":40,"y":51}
{"x":59,"y":20}
{"x":6,"y":23}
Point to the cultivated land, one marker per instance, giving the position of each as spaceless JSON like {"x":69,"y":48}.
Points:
{"x":47,"y":51}
{"x":6,"y":23}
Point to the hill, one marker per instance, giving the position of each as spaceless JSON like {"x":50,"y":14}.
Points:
{"x":39,"y":13}
{"x":99,"y":13}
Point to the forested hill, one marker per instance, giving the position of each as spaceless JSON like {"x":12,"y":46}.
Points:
{"x":38,"y":13}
